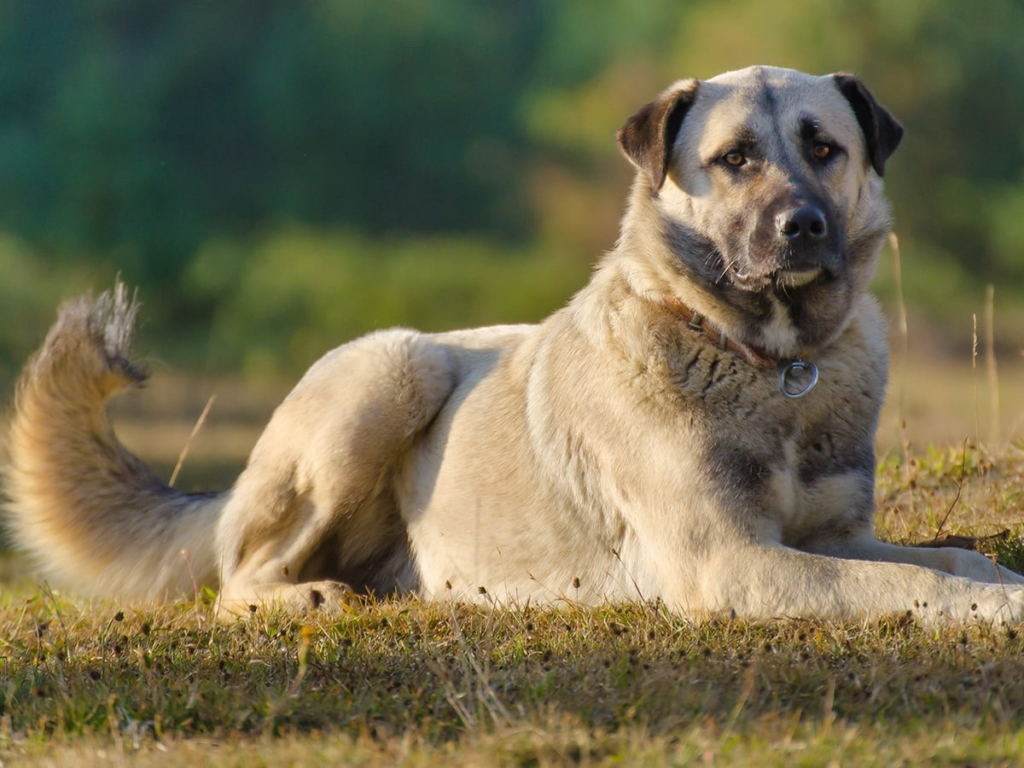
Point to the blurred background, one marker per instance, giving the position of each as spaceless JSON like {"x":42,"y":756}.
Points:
{"x":278,"y":177}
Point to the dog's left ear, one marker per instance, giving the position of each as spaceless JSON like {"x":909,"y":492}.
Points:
{"x":647,"y":137}
{"x":881,"y":131}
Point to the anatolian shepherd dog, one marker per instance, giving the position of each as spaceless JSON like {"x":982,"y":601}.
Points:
{"x":695,"y":426}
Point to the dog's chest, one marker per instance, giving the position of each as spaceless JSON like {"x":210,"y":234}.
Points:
{"x":819,"y":456}
{"x":817,"y":485}
{"x":806,"y":464}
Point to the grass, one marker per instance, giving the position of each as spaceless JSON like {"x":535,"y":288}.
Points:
{"x":401,"y":682}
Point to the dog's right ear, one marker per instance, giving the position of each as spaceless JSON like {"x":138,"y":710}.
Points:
{"x":647,"y":137}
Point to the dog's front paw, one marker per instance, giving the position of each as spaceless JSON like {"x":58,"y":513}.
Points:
{"x":328,"y":597}
{"x":992,"y":604}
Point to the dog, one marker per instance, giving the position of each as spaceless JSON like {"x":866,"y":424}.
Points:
{"x":696,"y":425}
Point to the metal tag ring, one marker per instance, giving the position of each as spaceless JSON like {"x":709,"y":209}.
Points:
{"x":798,"y":366}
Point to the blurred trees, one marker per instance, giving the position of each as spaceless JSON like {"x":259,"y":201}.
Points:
{"x":286,"y":175}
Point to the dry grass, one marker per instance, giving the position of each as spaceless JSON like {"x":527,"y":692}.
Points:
{"x":437,"y":684}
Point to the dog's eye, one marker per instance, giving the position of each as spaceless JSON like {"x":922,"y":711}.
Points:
{"x":821,"y":151}
{"x":735,"y":158}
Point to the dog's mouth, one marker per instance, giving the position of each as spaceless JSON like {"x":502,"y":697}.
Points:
{"x":797,"y":278}
{"x":783,"y":271}
{"x":780,"y":279}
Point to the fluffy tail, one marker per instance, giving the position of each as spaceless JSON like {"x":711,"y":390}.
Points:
{"x":92,"y":514}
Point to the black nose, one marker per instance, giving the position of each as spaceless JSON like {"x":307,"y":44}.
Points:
{"x":805,"y":224}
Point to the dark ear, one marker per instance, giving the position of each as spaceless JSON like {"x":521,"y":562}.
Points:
{"x":648,"y":136}
{"x":881,"y":131}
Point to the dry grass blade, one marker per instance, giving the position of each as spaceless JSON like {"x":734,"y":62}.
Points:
{"x":992,"y":373}
{"x":974,"y":376}
{"x":959,"y":491}
{"x":901,"y":423}
{"x":894,"y":244}
{"x":188,"y":443}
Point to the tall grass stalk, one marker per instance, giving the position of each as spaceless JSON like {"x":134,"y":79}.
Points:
{"x":901,"y":308}
{"x":974,"y":375}
{"x":188,"y":443}
{"x":992,"y":372}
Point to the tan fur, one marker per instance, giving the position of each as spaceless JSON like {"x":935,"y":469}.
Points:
{"x":609,"y":453}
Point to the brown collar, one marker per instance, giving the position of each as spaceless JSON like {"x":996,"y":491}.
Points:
{"x":697,"y":323}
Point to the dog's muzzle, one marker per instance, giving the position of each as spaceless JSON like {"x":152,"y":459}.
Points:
{"x":807,"y":245}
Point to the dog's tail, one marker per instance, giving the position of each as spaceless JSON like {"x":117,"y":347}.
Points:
{"x":91,"y":513}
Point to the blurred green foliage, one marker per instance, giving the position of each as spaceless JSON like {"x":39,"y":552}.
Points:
{"x":280,"y":176}
{"x":279,"y":300}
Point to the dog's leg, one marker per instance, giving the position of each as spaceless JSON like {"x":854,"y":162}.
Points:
{"x":769,"y":581}
{"x":952,"y":560}
{"x":314,"y":508}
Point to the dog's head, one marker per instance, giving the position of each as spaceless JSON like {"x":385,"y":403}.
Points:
{"x":765,"y":184}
